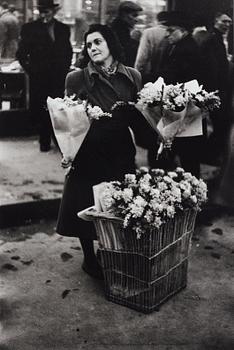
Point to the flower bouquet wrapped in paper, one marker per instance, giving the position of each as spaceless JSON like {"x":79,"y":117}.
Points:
{"x":174,"y":103}
{"x":175,"y":110}
{"x":200,"y":104}
{"x":70,"y":123}
{"x":150,"y":102}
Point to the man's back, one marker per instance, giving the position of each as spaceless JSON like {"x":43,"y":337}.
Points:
{"x":181,"y":62}
{"x":129,"y":45}
{"x":149,"y":52}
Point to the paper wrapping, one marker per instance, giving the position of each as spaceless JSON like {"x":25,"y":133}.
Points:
{"x":70,"y":124}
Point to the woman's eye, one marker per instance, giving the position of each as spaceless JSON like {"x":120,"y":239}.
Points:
{"x":97,"y":42}
{"x":89,"y":45}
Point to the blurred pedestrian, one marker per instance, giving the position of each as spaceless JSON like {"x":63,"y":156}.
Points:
{"x":200,"y":32}
{"x":152,"y":44}
{"x":9,"y":26}
{"x":216,"y":55}
{"x":181,"y":62}
{"x":122,"y":25}
{"x":108,"y":151}
{"x":149,"y":50}
{"x":45,"y":53}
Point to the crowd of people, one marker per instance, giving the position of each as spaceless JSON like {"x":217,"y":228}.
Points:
{"x":114,"y":64}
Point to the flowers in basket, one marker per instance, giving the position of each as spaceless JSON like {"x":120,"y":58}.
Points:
{"x":149,"y":198}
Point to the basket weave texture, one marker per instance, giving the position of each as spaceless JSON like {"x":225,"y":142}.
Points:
{"x":143,"y":273}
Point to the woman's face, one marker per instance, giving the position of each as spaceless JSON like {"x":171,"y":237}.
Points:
{"x":97,"y":49}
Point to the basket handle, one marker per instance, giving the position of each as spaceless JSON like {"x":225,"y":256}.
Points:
{"x":90,"y":214}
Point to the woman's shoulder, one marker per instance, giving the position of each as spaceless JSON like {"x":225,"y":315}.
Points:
{"x":75,"y":75}
{"x":134,"y":72}
{"x":136,"y":76}
{"x":74,"y":81}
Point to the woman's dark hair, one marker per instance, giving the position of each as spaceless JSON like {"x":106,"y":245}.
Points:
{"x":112,"y":40}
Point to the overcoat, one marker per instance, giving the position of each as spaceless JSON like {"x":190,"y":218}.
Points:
{"x":181,"y":62}
{"x":129,"y":44}
{"x":216,"y":62}
{"x":47,"y":61}
{"x":108,"y":151}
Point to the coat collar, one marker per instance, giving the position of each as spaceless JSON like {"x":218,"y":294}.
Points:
{"x":92,"y":72}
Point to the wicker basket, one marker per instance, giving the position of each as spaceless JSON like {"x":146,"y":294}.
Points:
{"x":143,"y":273}
{"x":142,"y":296}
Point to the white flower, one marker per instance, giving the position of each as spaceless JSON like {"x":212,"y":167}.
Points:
{"x":137,"y":206}
{"x":144,"y":169}
{"x":149,"y":216}
{"x":156,"y":205}
{"x":157,"y":222}
{"x":127,"y":195}
{"x":170,"y":211}
{"x":96,"y":112}
{"x":194,"y":199}
{"x":151,"y":94}
{"x":130,"y":178}
{"x":172,"y":174}
{"x":155,"y":193}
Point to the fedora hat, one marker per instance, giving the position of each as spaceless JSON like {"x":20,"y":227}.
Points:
{"x":49,"y":4}
{"x":179,"y":19}
{"x":129,"y":6}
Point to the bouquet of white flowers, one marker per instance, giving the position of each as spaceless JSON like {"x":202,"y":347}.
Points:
{"x":149,"y":102}
{"x":176,"y":110}
{"x":70,"y":124}
{"x":149,"y":198}
{"x":71,"y":121}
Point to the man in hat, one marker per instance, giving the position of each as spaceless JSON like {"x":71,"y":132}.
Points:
{"x":181,"y":62}
{"x":45,"y":53}
{"x":122,"y":25}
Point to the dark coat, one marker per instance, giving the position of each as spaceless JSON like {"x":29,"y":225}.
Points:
{"x":130,"y":45}
{"x":181,"y":62}
{"x":216,"y":62}
{"x":107,"y":152}
{"x":46,"y":61}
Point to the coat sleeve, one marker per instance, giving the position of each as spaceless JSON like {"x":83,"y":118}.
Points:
{"x":145,"y":136}
{"x":68,"y":51}
{"x":23,"y":52}
{"x":74,"y":83}
{"x":144,"y":54}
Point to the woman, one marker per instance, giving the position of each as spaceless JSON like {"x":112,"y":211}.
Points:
{"x":108,"y":151}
